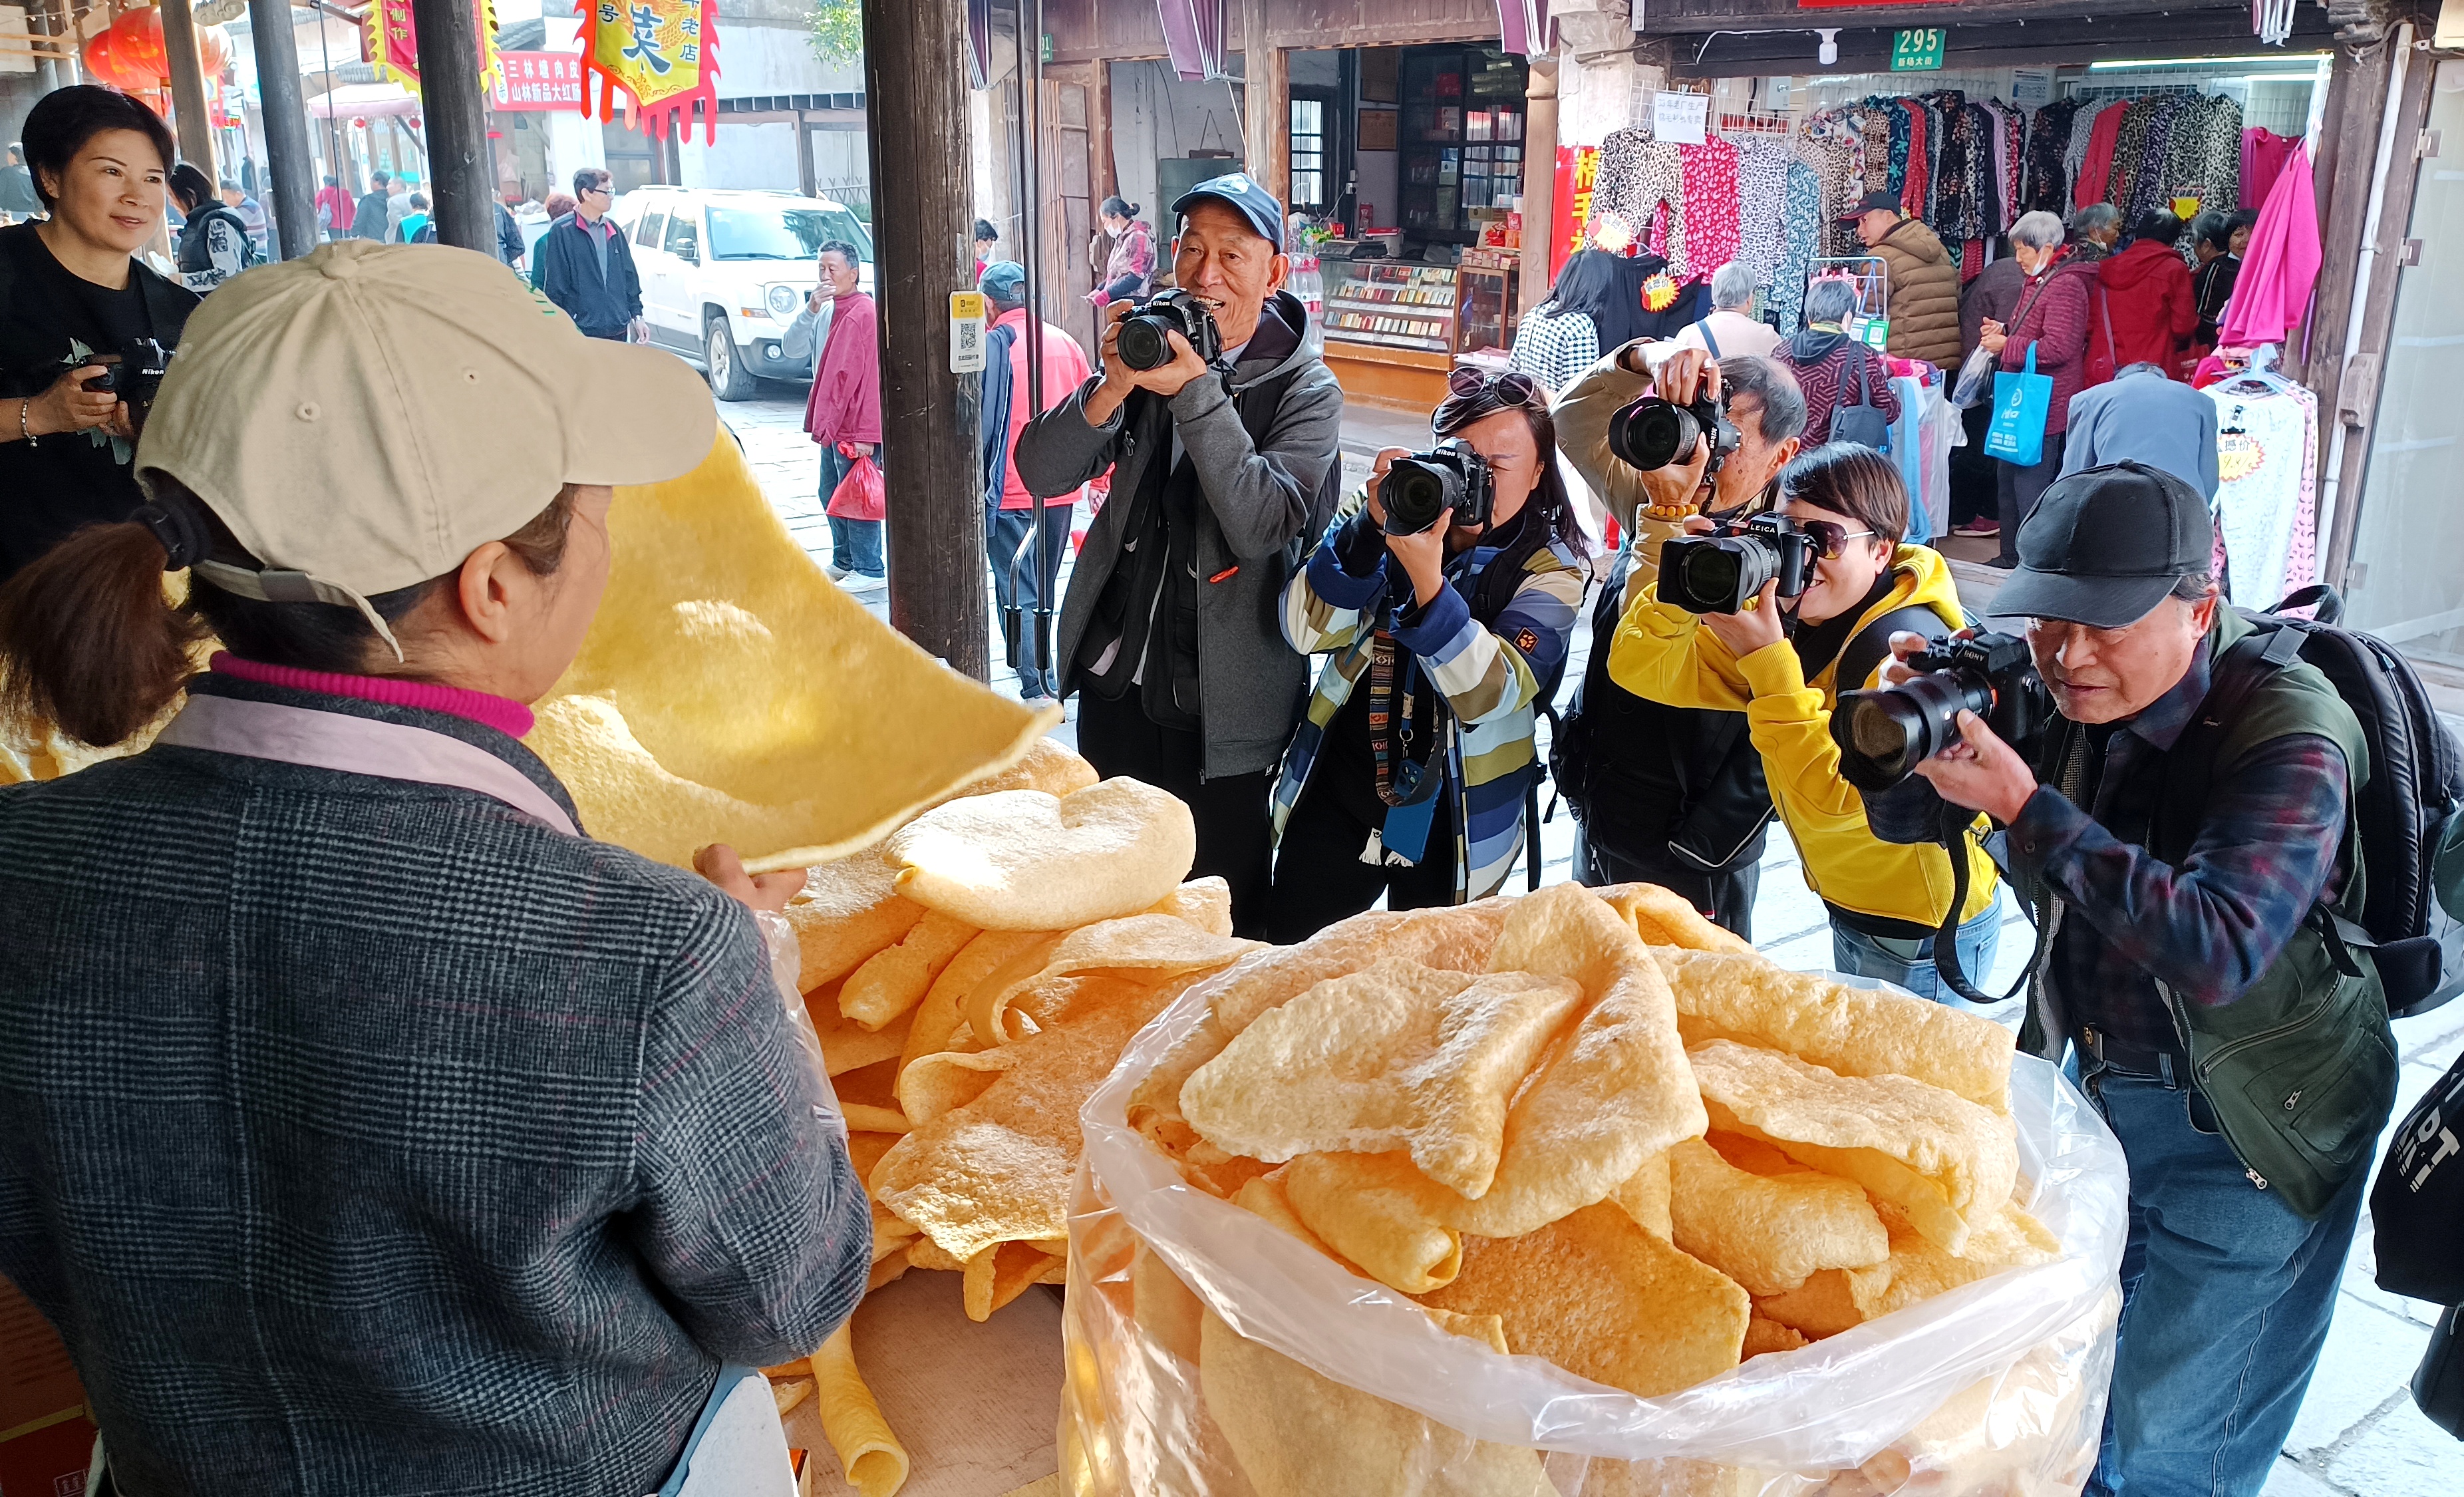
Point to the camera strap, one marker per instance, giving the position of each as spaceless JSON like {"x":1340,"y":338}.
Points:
{"x":1956,"y":823}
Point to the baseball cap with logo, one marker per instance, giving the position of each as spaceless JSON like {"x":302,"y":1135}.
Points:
{"x":1252,"y":202}
{"x":1879,"y":200}
{"x":2105,"y":545}
{"x":366,"y":416}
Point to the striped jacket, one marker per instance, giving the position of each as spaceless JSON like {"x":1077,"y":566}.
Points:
{"x":1492,"y":677}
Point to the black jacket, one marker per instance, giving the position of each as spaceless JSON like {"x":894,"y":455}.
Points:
{"x":368,"y":221}
{"x":567,"y":272}
{"x":509,"y":235}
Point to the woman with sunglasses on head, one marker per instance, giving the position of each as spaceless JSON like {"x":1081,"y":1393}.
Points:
{"x":1783,"y":662}
{"x":1407,"y":776}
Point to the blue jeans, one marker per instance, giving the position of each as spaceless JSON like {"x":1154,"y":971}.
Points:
{"x":1010,"y":546}
{"x":2226,"y":1297}
{"x":1910,"y":963}
{"x":856,"y":544}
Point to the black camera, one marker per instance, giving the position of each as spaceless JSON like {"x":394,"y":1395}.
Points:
{"x":1884,"y":734}
{"x":133,"y":374}
{"x":1721,"y":572}
{"x":1419,"y":490}
{"x":1652,"y":434}
{"x":1146,"y":340}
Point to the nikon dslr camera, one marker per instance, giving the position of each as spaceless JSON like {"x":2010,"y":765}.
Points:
{"x":1885,"y":732}
{"x":1419,"y":490}
{"x":1721,"y":572}
{"x":133,"y":374}
{"x":1652,"y":434}
{"x":1146,"y":341}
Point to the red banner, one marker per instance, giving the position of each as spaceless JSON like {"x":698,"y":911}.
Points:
{"x":396,"y":50}
{"x":538,"y":81}
{"x":1578,"y":166}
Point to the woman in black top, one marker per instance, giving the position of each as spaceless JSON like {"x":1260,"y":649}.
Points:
{"x":2221,"y":237}
{"x":70,"y":286}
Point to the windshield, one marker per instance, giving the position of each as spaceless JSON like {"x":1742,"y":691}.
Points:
{"x":782,"y":233}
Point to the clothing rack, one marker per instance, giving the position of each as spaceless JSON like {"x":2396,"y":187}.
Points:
{"x":1756,"y":122}
{"x":2113,"y":91}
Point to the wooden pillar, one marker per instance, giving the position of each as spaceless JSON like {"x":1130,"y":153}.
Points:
{"x":916,"y":76}
{"x":2348,"y":155}
{"x":1103,"y":174}
{"x":188,"y":88}
{"x":1267,"y":91}
{"x":289,"y":157}
{"x":807,"y":180}
{"x":461,"y":185}
{"x":1539,"y":180}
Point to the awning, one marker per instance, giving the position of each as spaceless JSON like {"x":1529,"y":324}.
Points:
{"x":363,"y":100}
{"x":1192,"y":33}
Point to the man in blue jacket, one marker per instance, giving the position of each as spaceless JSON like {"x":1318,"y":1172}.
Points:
{"x":584,"y":264}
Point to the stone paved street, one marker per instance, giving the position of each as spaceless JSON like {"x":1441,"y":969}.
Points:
{"x":2359,"y":1433}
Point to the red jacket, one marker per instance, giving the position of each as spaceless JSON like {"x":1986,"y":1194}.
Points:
{"x":2147,"y":292}
{"x":845,"y":403}
{"x":1064,"y":369}
{"x":2052,"y":319}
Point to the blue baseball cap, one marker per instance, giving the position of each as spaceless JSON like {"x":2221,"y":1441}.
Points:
{"x":1252,"y":201}
{"x":1003,"y":281}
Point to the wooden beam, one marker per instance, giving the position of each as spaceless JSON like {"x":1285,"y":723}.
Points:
{"x":289,"y":158}
{"x":916,"y":76}
{"x":462,"y":185}
{"x":2345,"y":173}
{"x":1539,"y":179}
{"x":1103,"y":171}
{"x":189,"y":87}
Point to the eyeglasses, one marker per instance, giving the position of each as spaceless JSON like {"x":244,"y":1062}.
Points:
{"x":1514,"y":389}
{"x":1830,"y":538}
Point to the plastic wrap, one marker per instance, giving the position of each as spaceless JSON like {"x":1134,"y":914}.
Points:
{"x":787,"y":975}
{"x":1995,"y":1389}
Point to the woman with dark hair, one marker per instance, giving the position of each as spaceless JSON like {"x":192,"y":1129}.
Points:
{"x":2221,"y":237}
{"x":331,"y":1038}
{"x":1783,"y":662}
{"x":1128,"y":265}
{"x":71,"y":287}
{"x":1560,"y":338}
{"x":2148,"y":296}
{"x":987,"y":241}
{"x":1407,"y":776}
{"x":214,"y":245}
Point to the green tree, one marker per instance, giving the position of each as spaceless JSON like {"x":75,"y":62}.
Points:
{"x":838,"y":30}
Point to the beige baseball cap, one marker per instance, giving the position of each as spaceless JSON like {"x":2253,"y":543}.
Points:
{"x":366,"y":416}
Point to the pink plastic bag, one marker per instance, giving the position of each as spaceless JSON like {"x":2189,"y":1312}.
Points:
{"x":858,"y":495}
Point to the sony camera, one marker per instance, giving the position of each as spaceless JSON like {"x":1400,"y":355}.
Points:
{"x":133,"y":374}
{"x":1652,"y":434}
{"x":1419,"y":490}
{"x":1146,"y":340}
{"x":1720,"y":572}
{"x":1885,"y":732}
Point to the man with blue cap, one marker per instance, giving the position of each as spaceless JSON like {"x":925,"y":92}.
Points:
{"x":1224,"y":473}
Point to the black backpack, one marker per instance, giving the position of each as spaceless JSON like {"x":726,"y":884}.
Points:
{"x":2408,"y":810}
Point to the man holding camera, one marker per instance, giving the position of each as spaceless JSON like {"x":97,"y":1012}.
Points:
{"x":2186,"y":833}
{"x":1669,"y":795}
{"x":1225,"y":467}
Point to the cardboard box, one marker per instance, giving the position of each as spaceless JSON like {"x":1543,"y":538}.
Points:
{"x":45,"y":1437}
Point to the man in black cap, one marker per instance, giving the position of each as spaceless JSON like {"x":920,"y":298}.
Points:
{"x":1924,"y":309}
{"x":1224,"y":473}
{"x":2186,"y":833}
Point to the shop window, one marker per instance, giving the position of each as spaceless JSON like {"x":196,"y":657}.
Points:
{"x":1462,"y":130}
{"x":1311,"y":150}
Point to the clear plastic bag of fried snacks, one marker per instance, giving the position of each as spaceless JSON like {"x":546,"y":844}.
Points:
{"x":1570,"y":1194}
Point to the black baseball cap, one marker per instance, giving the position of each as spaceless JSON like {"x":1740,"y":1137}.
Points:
{"x":2105,"y":545}
{"x":1880,"y":198}
{"x":1252,"y":202}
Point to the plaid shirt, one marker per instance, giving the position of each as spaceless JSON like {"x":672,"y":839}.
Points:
{"x":2266,"y":851}
{"x":362,"y":1135}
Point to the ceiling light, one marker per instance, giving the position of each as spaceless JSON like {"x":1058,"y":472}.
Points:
{"x":2305,"y":60}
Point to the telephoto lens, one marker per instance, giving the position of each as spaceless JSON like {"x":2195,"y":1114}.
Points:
{"x":1890,"y":731}
{"x":1419,"y":490}
{"x":1721,"y":572}
{"x":1651,"y":433}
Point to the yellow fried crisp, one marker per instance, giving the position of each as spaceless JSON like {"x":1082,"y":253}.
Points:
{"x":1645,"y":1195}
{"x":893,"y":981}
{"x":1397,"y":1056}
{"x":1021,"y":860}
{"x":847,"y":911}
{"x":1945,"y":1161}
{"x":873,"y":1460}
{"x":989,"y":958}
{"x":1374,"y":1210}
{"x":1663,"y":917}
{"x":1604,"y":1299}
{"x":1918,"y":1269}
{"x":1769,"y":1232}
{"x":1154,"y":946}
{"x":1853,"y":1031}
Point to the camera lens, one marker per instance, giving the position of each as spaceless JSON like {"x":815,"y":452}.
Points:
{"x":1143,"y":344}
{"x":1715,"y":575}
{"x":1416,"y":494}
{"x":1651,"y":433}
{"x":1893,"y":730}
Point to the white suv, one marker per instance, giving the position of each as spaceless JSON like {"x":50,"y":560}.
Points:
{"x":724,"y":272}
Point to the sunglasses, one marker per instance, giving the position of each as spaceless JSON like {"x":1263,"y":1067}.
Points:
{"x":1507,"y":389}
{"x":1830,"y":538}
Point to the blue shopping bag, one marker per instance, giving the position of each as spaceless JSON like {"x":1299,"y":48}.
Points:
{"x":2021,"y":402}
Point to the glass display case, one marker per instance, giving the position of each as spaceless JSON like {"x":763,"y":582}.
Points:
{"x":1461,"y":136}
{"x":1486,"y":311}
{"x":1391,"y":305}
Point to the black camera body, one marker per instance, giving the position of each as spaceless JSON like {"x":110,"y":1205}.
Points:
{"x":133,"y":374}
{"x":1146,"y":343}
{"x":1721,"y":572}
{"x":1652,"y":434}
{"x":1885,"y":732}
{"x":1418,"y":490}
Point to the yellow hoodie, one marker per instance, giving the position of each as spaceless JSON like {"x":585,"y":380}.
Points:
{"x":1663,"y":653}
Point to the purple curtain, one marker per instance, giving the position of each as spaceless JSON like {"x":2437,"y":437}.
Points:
{"x":979,"y":44}
{"x":1193,"y":31}
{"x":1523,"y":26}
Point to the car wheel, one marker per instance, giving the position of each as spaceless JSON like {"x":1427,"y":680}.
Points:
{"x":728,"y":379}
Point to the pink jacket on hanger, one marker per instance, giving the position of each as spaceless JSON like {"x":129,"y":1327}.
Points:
{"x":2272,"y":295}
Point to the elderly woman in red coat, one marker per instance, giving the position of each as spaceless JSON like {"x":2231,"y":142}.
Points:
{"x":2051,"y":320}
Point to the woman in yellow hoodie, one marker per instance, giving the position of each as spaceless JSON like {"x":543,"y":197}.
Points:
{"x":1778,"y":661}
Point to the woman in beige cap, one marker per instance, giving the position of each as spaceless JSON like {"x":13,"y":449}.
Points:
{"x":363,"y":1127}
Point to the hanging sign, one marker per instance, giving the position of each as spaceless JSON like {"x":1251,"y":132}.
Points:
{"x":538,"y":81}
{"x":1578,"y":169}
{"x":661,"y":55}
{"x":1917,"y":50}
{"x":396,"y":50}
{"x":2032,"y":88}
{"x":1677,"y":119}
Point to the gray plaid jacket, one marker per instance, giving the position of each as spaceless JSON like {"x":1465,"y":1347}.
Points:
{"x":361,"y":1136}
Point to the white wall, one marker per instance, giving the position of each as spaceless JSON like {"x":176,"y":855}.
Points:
{"x":744,"y":156}
{"x":758,"y":59}
{"x":1154,"y":114}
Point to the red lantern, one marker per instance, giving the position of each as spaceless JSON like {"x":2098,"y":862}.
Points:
{"x":129,"y":54}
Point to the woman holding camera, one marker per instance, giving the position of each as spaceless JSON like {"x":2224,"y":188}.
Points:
{"x":71,"y":288}
{"x":1779,"y":661}
{"x":1443,"y":637}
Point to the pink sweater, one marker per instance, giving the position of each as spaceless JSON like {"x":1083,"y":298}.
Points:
{"x":500,"y":712}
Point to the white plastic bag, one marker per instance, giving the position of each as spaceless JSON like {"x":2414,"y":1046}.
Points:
{"x":1995,"y":1389}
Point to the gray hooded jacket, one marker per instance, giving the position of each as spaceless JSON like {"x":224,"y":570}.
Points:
{"x":1263,"y":513}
